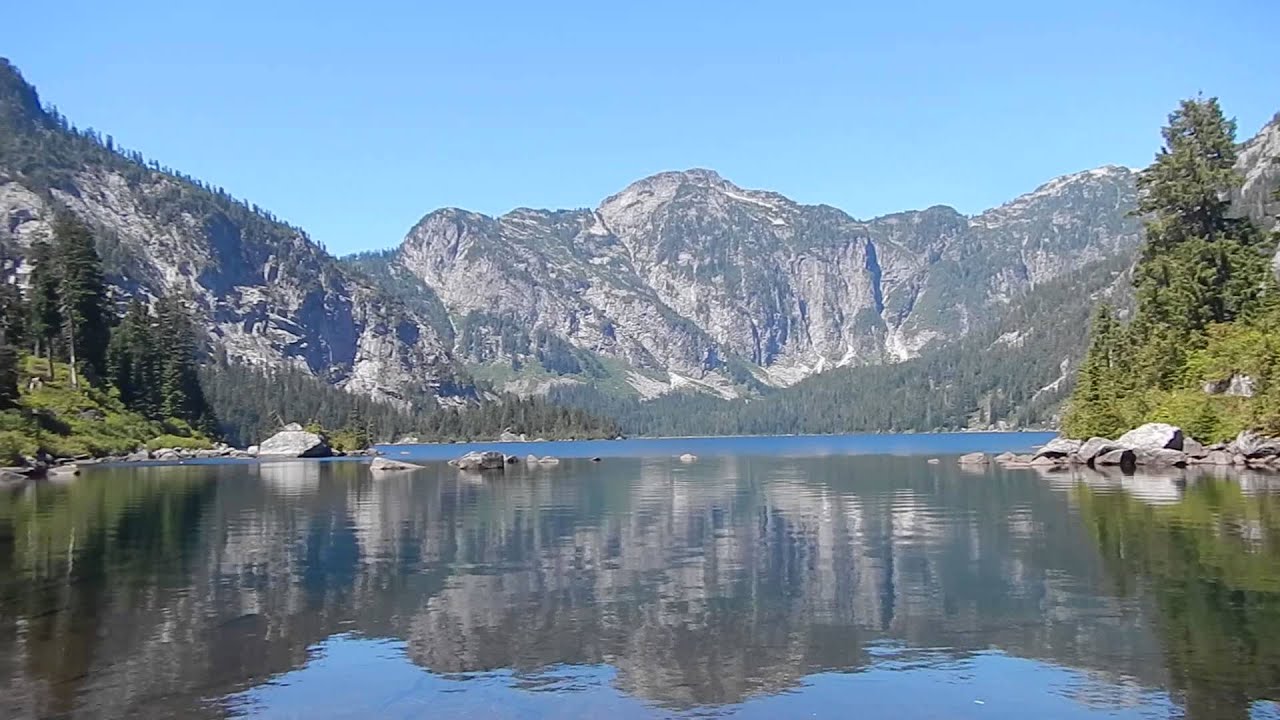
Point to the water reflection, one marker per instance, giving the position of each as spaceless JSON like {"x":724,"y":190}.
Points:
{"x":636,"y":585}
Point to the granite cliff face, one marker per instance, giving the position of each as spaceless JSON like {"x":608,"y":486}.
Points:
{"x":267,"y":295}
{"x":688,"y":278}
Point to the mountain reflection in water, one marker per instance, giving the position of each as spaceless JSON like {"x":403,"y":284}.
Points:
{"x":754,"y":585}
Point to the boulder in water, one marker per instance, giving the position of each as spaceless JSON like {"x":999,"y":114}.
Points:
{"x":294,"y":442}
{"x":1123,"y":457}
{"x":478,"y":461}
{"x":1151,"y":437}
{"x":548,"y":460}
{"x":1163,"y":456}
{"x":688,"y":458}
{"x":1058,"y":447}
{"x":381,"y":464}
{"x":1093,"y":447}
{"x":975,"y":458}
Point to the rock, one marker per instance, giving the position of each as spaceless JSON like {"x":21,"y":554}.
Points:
{"x":380,"y":464}
{"x":1238,"y":385}
{"x":548,"y":460}
{"x":1152,"y":436}
{"x":512,"y":460}
{"x":295,"y":442}
{"x":1252,"y":445}
{"x":91,"y":414}
{"x":1193,"y":449}
{"x":1058,"y":447}
{"x":1162,"y":456}
{"x":479,"y":461}
{"x":688,"y":458}
{"x":408,"y":440}
{"x":1005,"y":457}
{"x":9,"y":479}
{"x":1123,"y":457}
{"x":62,"y":472}
{"x":531,"y":459}
{"x":1093,"y":447}
{"x":251,"y":451}
{"x":509,"y":437}
{"x":1238,"y":459}
{"x":142,"y":455}
{"x":1215,"y":457}
{"x":1046,"y":461}
{"x":934,"y":461}
{"x":976,"y":458}
{"x":168,"y":455}
{"x":597,"y":459}
{"x":1020,"y":461}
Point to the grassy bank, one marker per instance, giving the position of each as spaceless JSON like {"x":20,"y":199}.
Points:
{"x":67,"y":421}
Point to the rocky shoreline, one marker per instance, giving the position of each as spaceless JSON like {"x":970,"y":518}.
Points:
{"x":1150,"y":445}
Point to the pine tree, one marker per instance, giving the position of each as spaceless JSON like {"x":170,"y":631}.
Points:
{"x":180,"y":393}
{"x":133,"y":357}
{"x":45,"y":323}
{"x":1200,"y":264}
{"x":82,"y":297}
{"x":1093,"y":408}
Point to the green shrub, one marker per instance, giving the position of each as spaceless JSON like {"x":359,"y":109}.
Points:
{"x":179,"y":442}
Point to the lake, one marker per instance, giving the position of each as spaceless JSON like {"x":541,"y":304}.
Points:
{"x":773,"y":578}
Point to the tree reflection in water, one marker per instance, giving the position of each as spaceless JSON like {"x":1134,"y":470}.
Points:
{"x":168,"y":590}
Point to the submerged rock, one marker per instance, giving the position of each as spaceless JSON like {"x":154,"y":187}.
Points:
{"x":381,"y":464}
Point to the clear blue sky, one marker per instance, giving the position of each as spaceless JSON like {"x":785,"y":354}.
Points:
{"x":355,"y":119}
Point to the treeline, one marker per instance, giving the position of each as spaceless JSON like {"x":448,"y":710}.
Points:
{"x":1011,"y":372}
{"x":250,"y":403}
{"x":66,"y":316}
{"x":1203,"y":348}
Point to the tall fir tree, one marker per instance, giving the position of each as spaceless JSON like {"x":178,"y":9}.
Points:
{"x":133,"y":359}
{"x":82,"y":295}
{"x":1200,"y":263}
{"x":181,"y":396}
{"x":44,"y":324}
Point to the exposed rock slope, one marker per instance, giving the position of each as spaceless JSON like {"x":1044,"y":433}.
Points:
{"x":267,"y":294}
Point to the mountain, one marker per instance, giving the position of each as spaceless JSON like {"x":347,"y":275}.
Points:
{"x":684,"y":279}
{"x":268,"y":296}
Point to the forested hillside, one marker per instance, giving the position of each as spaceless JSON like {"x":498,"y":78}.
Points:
{"x":1010,"y":373}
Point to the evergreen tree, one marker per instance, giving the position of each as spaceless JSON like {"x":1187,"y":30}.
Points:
{"x":1199,"y":264}
{"x":133,"y":358}
{"x":1093,"y":408}
{"x":45,"y":321}
{"x":180,"y":395}
{"x":82,"y":295}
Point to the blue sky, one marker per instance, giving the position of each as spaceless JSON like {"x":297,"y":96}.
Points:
{"x":355,"y":119}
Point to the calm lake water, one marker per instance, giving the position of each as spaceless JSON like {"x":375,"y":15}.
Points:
{"x":773,"y":578}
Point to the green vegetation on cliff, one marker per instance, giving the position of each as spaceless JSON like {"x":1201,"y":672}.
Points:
{"x":1203,"y":348}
